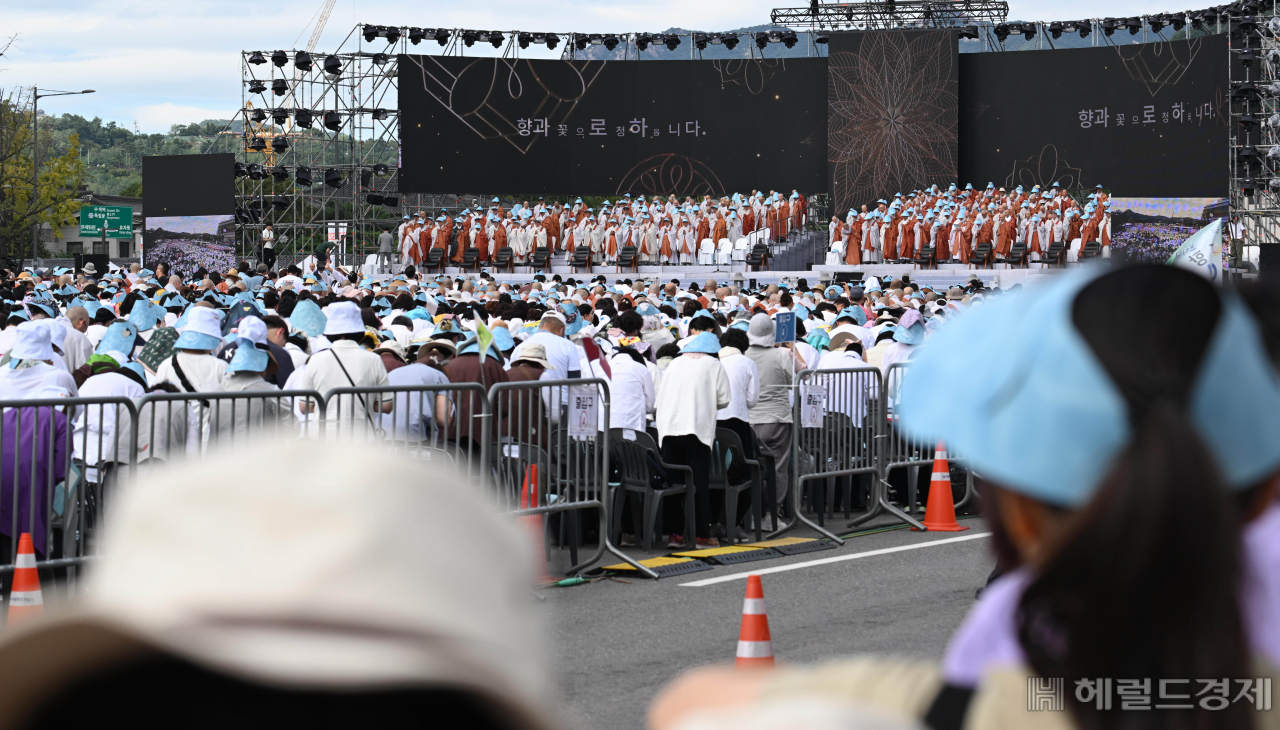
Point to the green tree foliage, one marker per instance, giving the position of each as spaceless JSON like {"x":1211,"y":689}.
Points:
{"x":62,"y":173}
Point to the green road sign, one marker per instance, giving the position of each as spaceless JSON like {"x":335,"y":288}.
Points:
{"x":118,"y":220}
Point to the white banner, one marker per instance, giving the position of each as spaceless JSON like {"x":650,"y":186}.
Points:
{"x":1202,"y":252}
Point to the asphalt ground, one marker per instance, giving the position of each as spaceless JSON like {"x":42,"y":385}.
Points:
{"x":614,"y":644}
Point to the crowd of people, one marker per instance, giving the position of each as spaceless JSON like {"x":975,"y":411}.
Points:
{"x":953,"y":223}
{"x":682,"y":359}
{"x":662,"y":230}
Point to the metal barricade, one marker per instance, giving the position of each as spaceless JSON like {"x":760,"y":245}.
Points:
{"x":551,"y":455}
{"x":174,"y":426}
{"x":60,"y":459}
{"x":444,"y":422}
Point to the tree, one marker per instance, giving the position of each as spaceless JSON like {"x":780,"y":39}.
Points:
{"x":133,"y":190}
{"x":61,"y":174}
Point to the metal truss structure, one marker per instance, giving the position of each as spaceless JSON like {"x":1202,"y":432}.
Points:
{"x":893,"y":14}
{"x":1254,"y":129}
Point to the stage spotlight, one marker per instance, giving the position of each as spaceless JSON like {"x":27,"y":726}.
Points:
{"x":1156,"y":22}
{"x":525,"y":39}
{"x":332,"y":65}
{"x":553,"y":40}
{"x":256,"y":58}
{"x":762,"y":40}
{"x":1210,"y":16}
{"x":1029,"y":31}
{"x":1248,"y":120}
{"x":1247,"y":186}
{"x":257,"y":144}
{"x":789,"y":38}
{"x":821,"y":38}
{"x":1055,"y":29}
{"x":1109,"y":26}
{"x":302,"y":118}
{"x":731,"y":41}
{"x":1249,"y":6}
{"x":581,"y":42}
{"x":332,"y":178}
{"x":381,"y":170}
{"x":242,"y":216}
{"x":1002,"y":33}
{"x":642,"y":42}
{"x":302,"y":176}
{"x":374,"y":199}
{"x":242,"y":170}
{"x":416,"y":35}
{"x":1085,"y":27}
{"x":279,"y":144}
{"x":1197,"y":22}
{"x":279,"y":58}
{"x":280,"y":116}
{"x":969,"y":31}
{"x":610,"y":42}
{"x":1015,"y":29}
{"x":381,"y":59}
{"x":257,"y":87}
{"x":1247,"y":23}
{"x":393,"y":34}
{"x":279,"y":87}
{"x":1248,"y":56}
{"x":256,"y":172}
{"x":469,"y":37}
{"x":302,"y":61}
{"x":1134,"y":25}
{"x":279,"y":174}
{"x":700,"y":40}
{"x":280,"y":202}
{"x":370,"y":32}
{"x":442,"y":36}
{"x":391,"y":201}
{"x":672,"y":41}
{"x":380,"y":114}
{"x":496,"y":38}
{"x":332,"y":120}
{"x":258,"y":115}
{"x":1178,"y":22}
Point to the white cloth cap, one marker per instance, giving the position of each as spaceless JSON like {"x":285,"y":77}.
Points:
{"x":32,"y":342}
{"x":761,"y":330}
{"x":203,"y":321}
{"x":344,"y":319}
{"x":253,"y":329}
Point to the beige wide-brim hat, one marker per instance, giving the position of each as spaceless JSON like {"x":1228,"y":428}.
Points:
{"x":331,"y":582}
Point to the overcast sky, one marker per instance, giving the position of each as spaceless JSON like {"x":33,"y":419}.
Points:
{"x":155,"y":63}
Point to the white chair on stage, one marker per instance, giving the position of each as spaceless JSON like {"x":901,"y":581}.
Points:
{"x":706,"y":252}
{"x":370,"y":265}
{"x":740,"y":248}
{"x":724,"y":254}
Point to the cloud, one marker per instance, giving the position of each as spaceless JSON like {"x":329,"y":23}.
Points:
{"x":160,"y":117}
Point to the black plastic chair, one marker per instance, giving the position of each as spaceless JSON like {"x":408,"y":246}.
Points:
{"x":1090,"y":250}
{"x":727,"y":450}
{"x":1017,"y":255}
{"x":638,"y":460}
{"x":540,"y":258}
{"x":758,"y":259}
{"x":1057,"y":253}
{"x":504,"y":257}
{"x":435,"y":260}
{"x":981,"y":256}
{"x":581,"y":259}
{"x":628,"y":256}
{"x":926,"y":258}
{"x":471,"y":258}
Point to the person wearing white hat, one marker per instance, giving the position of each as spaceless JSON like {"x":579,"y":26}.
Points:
{"x":31,"y":369}
{"x":192,"y":368}
{"x":347,"y":365}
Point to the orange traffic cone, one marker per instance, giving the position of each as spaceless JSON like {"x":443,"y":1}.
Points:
{"x":533,"y":523}
{"x":25,"y":600}
{"x":940,"y":512}
{"x":755,"y":649}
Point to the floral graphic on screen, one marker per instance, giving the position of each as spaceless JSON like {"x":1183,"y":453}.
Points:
{"x":1044,"y":169}
{"x":751,"y":73}
{"x":1158,"y":65}
{"x":891,"y":115}
{"x":671,"y":173}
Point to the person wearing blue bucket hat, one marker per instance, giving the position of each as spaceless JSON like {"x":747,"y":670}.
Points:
{"x":1115,"y":471}
{"x":192,"y":368}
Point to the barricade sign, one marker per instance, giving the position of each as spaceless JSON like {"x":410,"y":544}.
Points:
{"x":813,"y":406}
{"x":583,"y":415}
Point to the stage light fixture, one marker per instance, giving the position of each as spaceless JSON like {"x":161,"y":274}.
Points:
{"x":393,"y":34}
{"x":1248,"y":56}
{"x":332,"y":65}
{"x":1247,"y":23}
{"x":242,"y":216}
{"x":731,"y":41}
{"x":279,"y":174}
{"x":279,"y":144}
{"x":1015,"y":29}
{"x":642,"y":42}
{"x":789,"y":39}
{"x":821,"y":38}
{"x":280,"y":202}
{"x":1249,"y":6}
{"x":442,"y":36}
{"x":1248,"y":120}
{"x":332,"y":178}
{"x":1209,"y":16}
{"x":257,"y":144}
{"x":496,"y":39}
{"x":416,"y":35}
{"x":1178,"y":22}
{"x":391,"y":201}
{"x":302,"y":61}
{"x":370,"y":32}
{"x":1197,"y":22}
{"x":1156,"y":22}
{"x":553,"y":40}
{"x":381,"y":59}
{"x":1029,"y":31}
{"x":1085,"y":27}
{"x":332,"y":120}
{"x":256,"y":58}
{"x":610,"y":42}
{"x":469,"y":37}
{"x":380,"y":114}
{"x":1002,"y":33}
{"x":525,"y":39}
{"x":279,"y":59}
{"x":256,"y":172}
{"x":581,"y":42}
{"x":302,"y":176}
{"x":302,"y":118}
{"x":257,"y":87}
{"x":258,"y":115}
{"x":1247,"y":186}
{"x":242,"y":170}
{"x":700,"y":40}
{"x":280,"y":116}
{"x":969,"y":31}
{"x":279,"y":87}
{"x":381,"y":170}
{"x":672,"y":41}
{"x":1134,"y":25}
{"x":1055,"y":29}
{"x":596,"y":39}
{"x":374,"y":199}
{"x":1109,"y":26}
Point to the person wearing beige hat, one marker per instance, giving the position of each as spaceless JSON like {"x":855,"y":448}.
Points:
{"x":267,"y":600}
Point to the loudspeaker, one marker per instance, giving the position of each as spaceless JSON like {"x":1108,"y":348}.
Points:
{"x":848,"y":277}
{"x":1269,"y":260}
{"x":366,"y":177}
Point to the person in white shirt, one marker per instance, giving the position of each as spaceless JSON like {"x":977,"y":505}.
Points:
{"x":347,"y":365}
{"x":411,"y":417}
{"x":76,"y":348}
{"x":31,"y":372}
{"x":193,"y":369}
{"x":744,"y":384}
{"x":241,"y":420}
{"x":693,"y":389}
{"x":632,"y":395}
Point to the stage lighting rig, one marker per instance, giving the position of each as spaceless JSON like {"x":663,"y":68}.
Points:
{"x":1134,"y":25}
{"x":442,"y":36}
{"x":1178,"y":22}
{"x":1002,"y":32}
{"x":256,"y":58}
{"x":258,"y":115}
{"x":280,"y":116}
{"x":332,"y":178}
{"x":302,"y":176}
{"x":1248,"y":56}
{"x":1056,"y":28}
{"x":381,"y":59}
{"x":1109,"y":26}
{"x":333,"y":121}
{"x":822,"y":38}
{"x":416,"y":35}
{"x":525,"y":39}
{"x":552,"y":41}
{"x":642,"y":42}
{"x":332,"y":65}
{"x":279,"y":144}
{"x":371,"y":32}
{"x":496,"y":38}
{"x":374,"y":199}
{"x":380,"y":114}
{"x":242,"y":170}
{"x":469,"y":37}
{"x":257,"y":87}
{"x":302,"y":61}
{"x":393,"y":34}
{"x":381,"y":170}
{"x":700,"y":40}
{"x":279,"y":174}
{"x":672,"y":41}
{"x":279,"y":87}
{"x":391,"y":201}
{"x":610,"y":42}
{"x":280,"y":202}
{"x":303,"y":118}
{"x":969,"y":31}
{"x":762,"y":40}
{"x":279,"y":59}
{"x":789,"y":38}
{"x":731,"y":40}
{"x":257,"y":144}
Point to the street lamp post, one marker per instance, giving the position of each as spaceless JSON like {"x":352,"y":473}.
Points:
{"x":36,"y":96}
